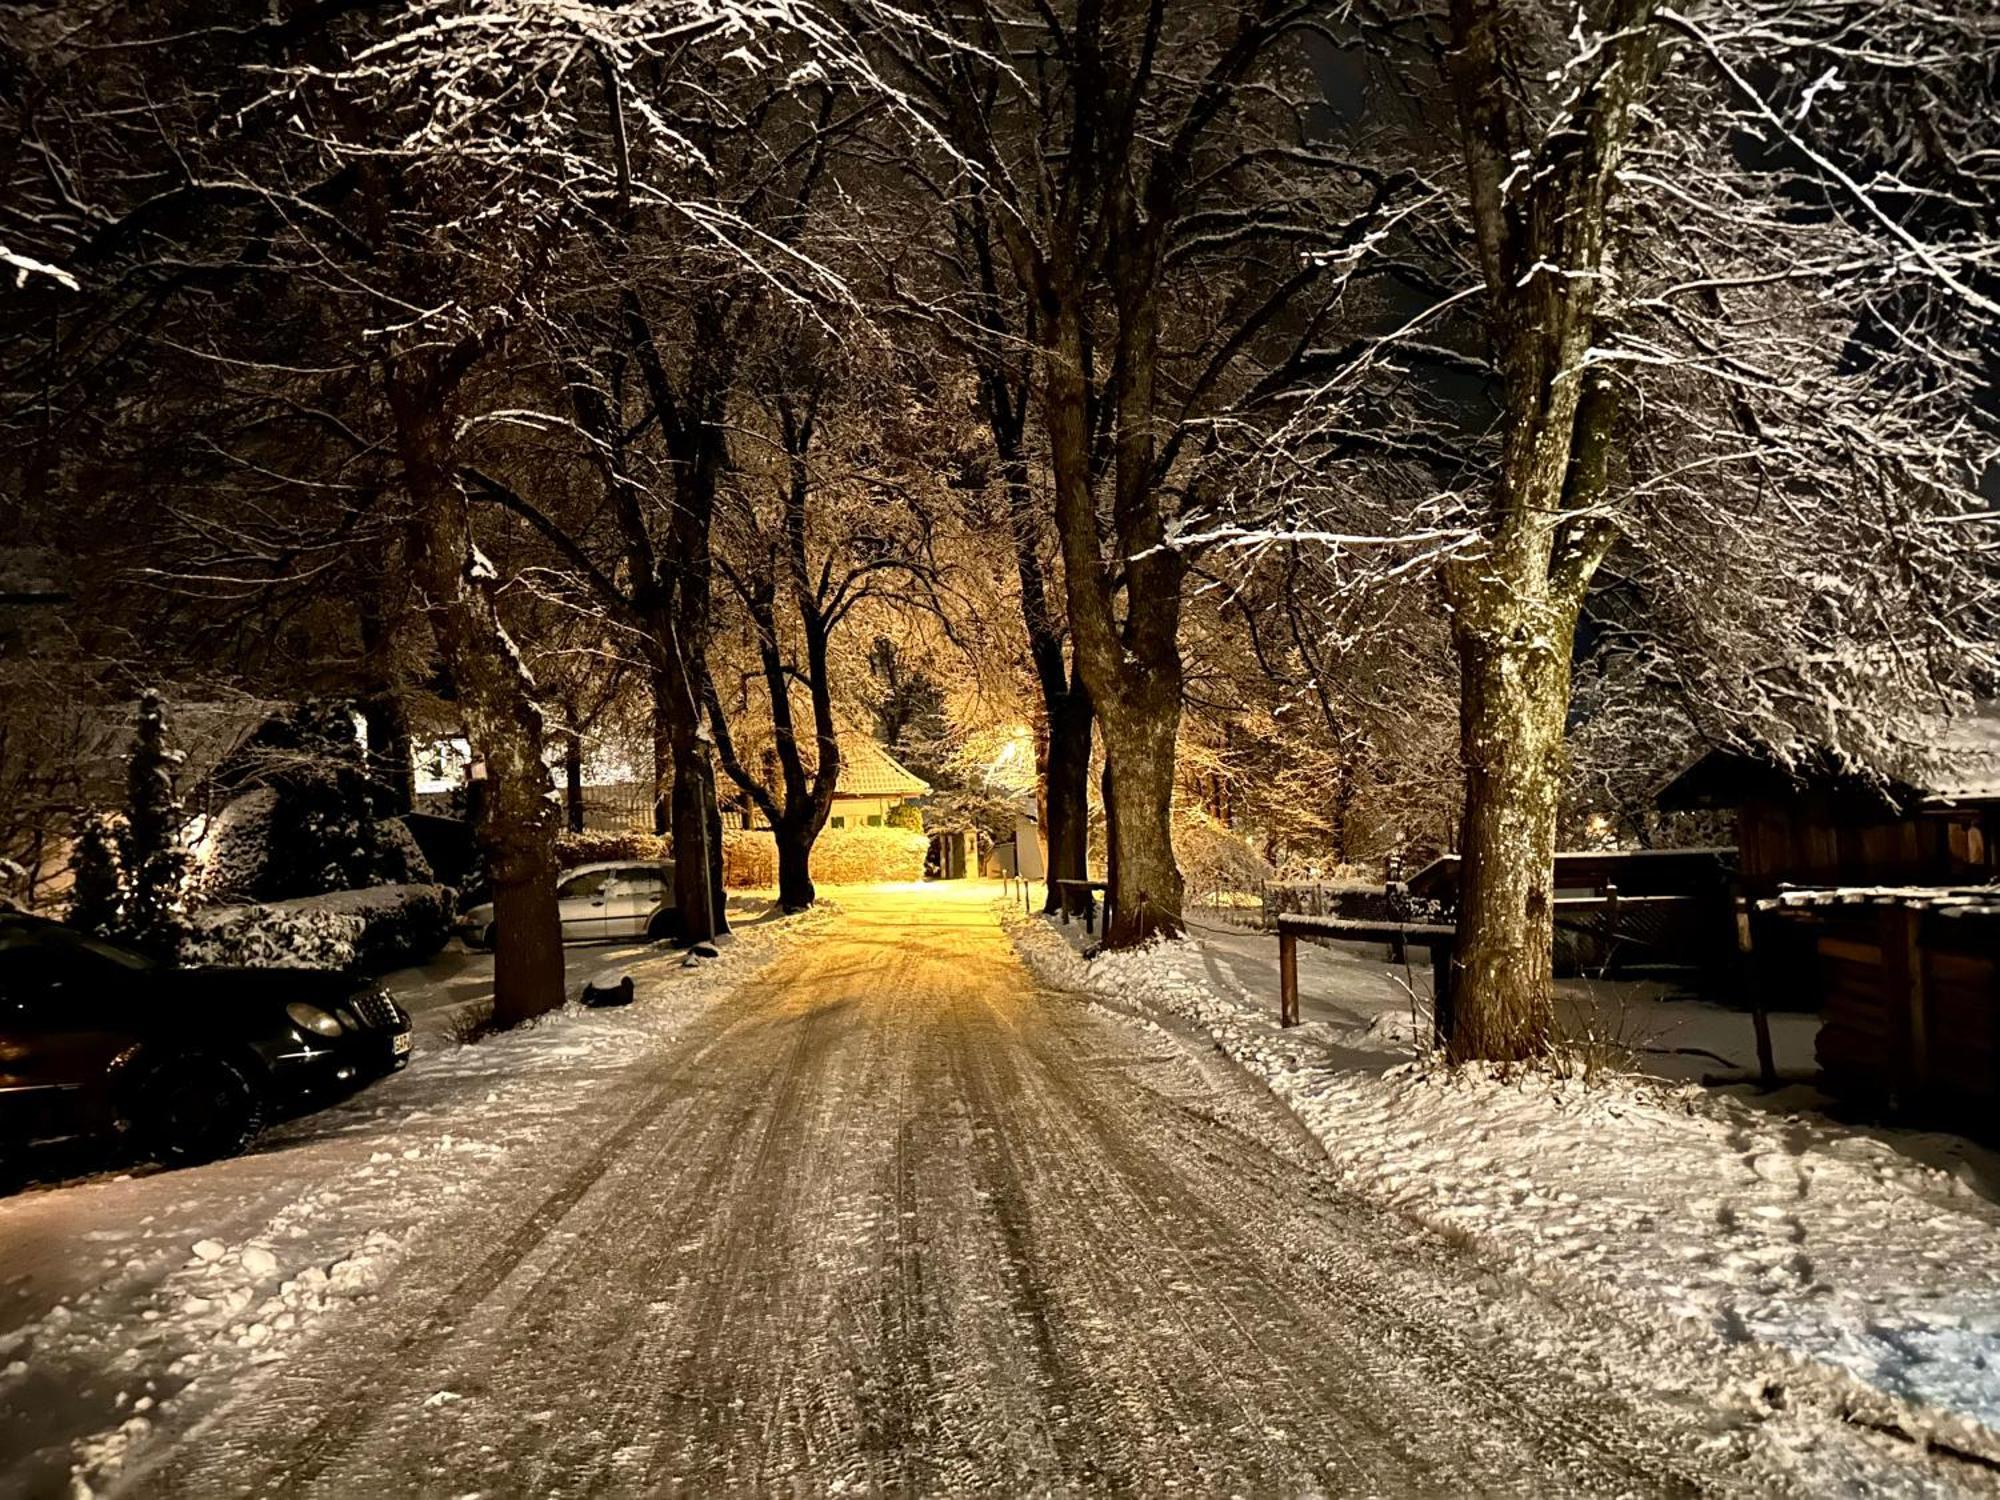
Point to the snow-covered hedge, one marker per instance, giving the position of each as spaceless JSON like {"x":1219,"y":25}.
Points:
{"x":596,"y":846}
{"x":400,"y":924}
{"x":369,"y":930}
{"x":271,"y":937}
{"x":841,"y":856}
{"x":301,"y":839}
{"x":231,"y":855}
{"x":749,"y":859}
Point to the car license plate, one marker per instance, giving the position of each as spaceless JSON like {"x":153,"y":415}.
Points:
{"x":399,"y":1044}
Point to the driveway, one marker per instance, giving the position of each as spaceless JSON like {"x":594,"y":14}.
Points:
{"x":891,"y":1217}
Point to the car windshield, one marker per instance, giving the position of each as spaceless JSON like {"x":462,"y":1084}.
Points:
{"x":125,"y":958}
{"x":48,"y":936}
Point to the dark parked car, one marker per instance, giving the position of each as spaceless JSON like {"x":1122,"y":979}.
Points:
{"x":189,"y":1063}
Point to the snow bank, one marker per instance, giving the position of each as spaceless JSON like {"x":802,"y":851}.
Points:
{"x":179,"y":1287}
{"x":1826,"y":1243}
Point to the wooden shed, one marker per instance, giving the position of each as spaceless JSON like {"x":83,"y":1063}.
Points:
{"x":1933,"y":822}
{"x":1875,"y":900}
{"x":1822,"y":827}
{"x":1908,"y":980}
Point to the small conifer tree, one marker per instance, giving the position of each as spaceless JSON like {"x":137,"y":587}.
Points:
{"x":96,"y":894}
{"x":155,"y":859}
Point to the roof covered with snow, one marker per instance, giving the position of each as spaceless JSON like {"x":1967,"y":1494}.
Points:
{"x":1951,"y":901}
{"x":1950,"y":760}
{"x":1961,"y":762}
{"x":867,"y":770}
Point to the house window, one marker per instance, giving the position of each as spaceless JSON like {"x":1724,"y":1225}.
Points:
{"x":840,"y":822}
{"x":874,"y":820}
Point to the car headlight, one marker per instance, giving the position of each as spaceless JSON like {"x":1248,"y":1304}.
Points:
{"x":312,"y":1018}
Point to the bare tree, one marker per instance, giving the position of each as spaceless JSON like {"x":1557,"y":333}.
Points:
{"x":822,"y":527}
{"x":1139,"y":167}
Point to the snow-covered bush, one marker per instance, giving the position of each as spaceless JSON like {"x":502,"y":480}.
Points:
{"x":305,"y":820}
{"x":857,"y":856}
{"x":275,"y":843}
{"x":596,"y":846}
{"x":1215,"y":862}
{"x":272,"y":937}
{"x":397,"y":924}
{"x":369,"y":930}
{"x":97,"y":875}
{"x":749,"y":859}
{"x":840,"y":856}
{"x":234,"y":849}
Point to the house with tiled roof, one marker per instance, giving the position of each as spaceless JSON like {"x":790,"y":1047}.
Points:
{"x":873,"y":784}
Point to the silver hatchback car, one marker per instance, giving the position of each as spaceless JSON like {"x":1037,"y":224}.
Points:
{"x":620,"y":899}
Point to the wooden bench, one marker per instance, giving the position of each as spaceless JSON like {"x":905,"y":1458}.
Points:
{"x":1440,"y":938}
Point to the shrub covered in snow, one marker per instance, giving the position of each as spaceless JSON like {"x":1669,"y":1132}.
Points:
{"x":306,"y":821}
{"x":596,"y":846}
{"x":234,"y":849}
{"x":369,"y":930}
{"x":840,"y":856}
{"x":97,"y":874}
{"x":1215,"y":861}
{"x":856,"y":856}
{"x":749,"y":859}
{"x":272,"y":937}
{"x":399,"y":924}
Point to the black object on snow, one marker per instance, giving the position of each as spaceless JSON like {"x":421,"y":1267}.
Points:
{"x":608,"y":989}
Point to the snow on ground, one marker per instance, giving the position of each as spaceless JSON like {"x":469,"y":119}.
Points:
{"x":1874,"y":1253}
{"x":128,"y":1296}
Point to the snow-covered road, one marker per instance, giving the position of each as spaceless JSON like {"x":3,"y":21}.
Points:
{"x":891,"y":1216}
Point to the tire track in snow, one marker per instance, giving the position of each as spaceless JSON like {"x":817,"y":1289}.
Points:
{"x":364,"y":1394}
{"x":894,"y":1219}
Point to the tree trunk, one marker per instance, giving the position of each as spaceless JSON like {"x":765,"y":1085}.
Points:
{"x":1343,"y":806}
{"x":573,"y":782}
{"x":1514,"y":694}
{"x":1540,"y":196}
{"x":1145,"y":881}
{"x":1132,"y":667}
{"x":1068,"y":798}
{"x":690,"y":813}
{"x":391,"y":758}
{"x":663,"y":759}
{"x":697,"y":825}
{"x":795,"y":884}
{"x":516,"y":825}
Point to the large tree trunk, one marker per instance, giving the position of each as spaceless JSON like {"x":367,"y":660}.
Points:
{"x":1513,"y":694}
{"x":795,"y":884}
{"x":691,"y":815}
{"x":1132,"y":666}
{"x":516,"y":825}
{"x":1540,"y":198}
{"x":1144,"y":879}
{"x":1067,"y":809}
{"x":697,"y":844}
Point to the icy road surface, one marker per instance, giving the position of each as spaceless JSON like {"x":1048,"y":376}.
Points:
{"x":891,"y":1217}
